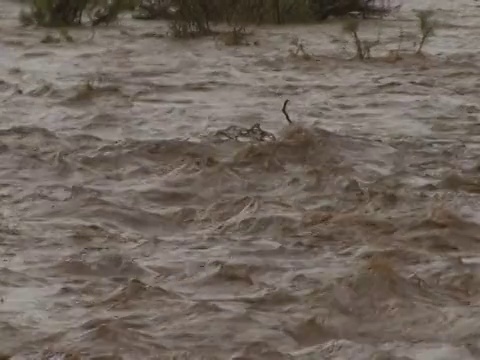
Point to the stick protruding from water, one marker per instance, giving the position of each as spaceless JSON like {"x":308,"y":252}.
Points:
{"x":284,"y":111}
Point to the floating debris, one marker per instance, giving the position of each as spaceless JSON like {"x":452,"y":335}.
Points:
{"x":253,"y":133}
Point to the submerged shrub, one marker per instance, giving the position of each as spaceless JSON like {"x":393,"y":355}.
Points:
{"x":152,"y":9}
{"x":54,"y":12}
{"x":427,"y":27}
{"x":192,"y":18}
{"x":197,"y":15}
{"x":58,"y":13}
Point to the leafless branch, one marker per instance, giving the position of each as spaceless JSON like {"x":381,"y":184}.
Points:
{"x":284,"y":111}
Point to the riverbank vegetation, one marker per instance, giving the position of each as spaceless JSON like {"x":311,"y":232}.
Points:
{"x":197,"y":18}
{"x":197,"y":15}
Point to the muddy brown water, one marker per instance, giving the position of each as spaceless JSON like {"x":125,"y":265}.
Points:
{"x":129,"y":231}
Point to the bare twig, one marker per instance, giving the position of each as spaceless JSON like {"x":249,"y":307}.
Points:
{"x":284,"y":111}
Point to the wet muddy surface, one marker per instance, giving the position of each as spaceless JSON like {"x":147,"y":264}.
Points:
{"x":130,"y":230}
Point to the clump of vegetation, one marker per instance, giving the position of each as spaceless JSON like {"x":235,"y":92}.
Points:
{"x":363,"y":47}
{"x":66,"y":35}
{"x":322,"y":9}
{"x":351,"y":27}
{"x":106,"y":14}
{"x":277,"y":11}
{"x":195,"y":17}
{"x":26,"y":18}
{"x":234,"y":17}
{"x":61,"y":13}
{"x":84,"y":91}
{"x":53,"y":12}
{"x":427,"y":27}
{"x":235,"y":37}
{"x":152,"y":9}
{"x":192,"y":18}
{"x":299,"y":51}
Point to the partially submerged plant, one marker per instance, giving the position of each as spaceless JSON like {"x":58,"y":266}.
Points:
{"x":299,"y":50}
{"x":61,"y":13}
{"x":363,"y":47}
{"x":368,"y":45}
{"x":63,"y":32}
{"x":322,"y":9}
{"x":395,"y":54}
{"x":84,"y":91}
{"x":153,"y":9}
{"x":49,"y":39}
{"x":26,"y":18}
{"x":195,"y":17}
{"x":426,"y":25}
{"x":351,"y":26}
{"x":54,"y":13}
{"x":235,"y":37}
{"x":105,"y":14}
{"x":192,"y":18}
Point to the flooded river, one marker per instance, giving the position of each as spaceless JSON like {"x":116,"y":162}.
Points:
{"x":129,"y":230}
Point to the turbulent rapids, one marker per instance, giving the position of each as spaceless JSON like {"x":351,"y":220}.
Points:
{"x":157,"y":204}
